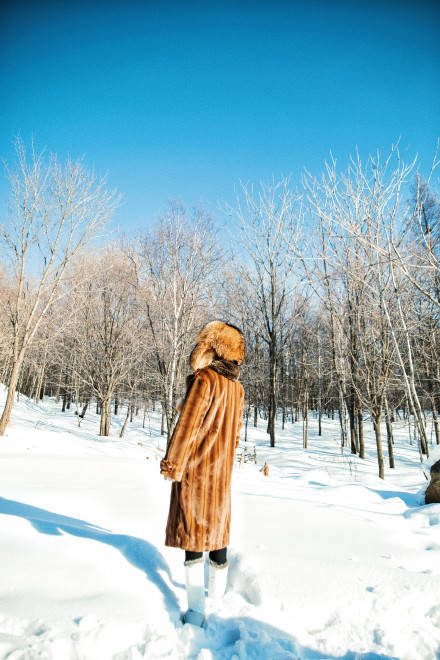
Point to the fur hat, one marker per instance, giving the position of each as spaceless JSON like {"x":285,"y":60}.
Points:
{"x":217,"y":340}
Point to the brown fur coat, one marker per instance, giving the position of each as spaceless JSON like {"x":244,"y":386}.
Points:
{"x":432,"y":495}
{"x":201,"y":451}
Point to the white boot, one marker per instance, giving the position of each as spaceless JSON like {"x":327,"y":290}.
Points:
{"x":195,"y":591}
{"x":218,"y":577}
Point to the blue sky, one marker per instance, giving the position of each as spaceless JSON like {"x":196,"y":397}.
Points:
{"x":182,"y":100}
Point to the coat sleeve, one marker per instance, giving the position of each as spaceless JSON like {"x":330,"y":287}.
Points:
{"x":240,"y":419}
{"x":194,"y":409}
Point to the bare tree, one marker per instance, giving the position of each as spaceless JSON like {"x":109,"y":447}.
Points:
{"x":54,"y":211}
{"x":175,"y":267}
{"x":105,"y":344}
{"x":269,"y":224}
{"x":355,"y":210}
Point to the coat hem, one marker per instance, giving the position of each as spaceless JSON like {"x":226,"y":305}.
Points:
{"x":192,"y":548}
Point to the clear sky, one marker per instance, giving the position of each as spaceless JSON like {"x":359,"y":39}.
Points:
{"x":182,"y":100}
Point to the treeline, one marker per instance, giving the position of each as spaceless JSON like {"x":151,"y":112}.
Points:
{"x":336,"y":288}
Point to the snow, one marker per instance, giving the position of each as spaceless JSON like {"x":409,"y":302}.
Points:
{"x":326,"y":559}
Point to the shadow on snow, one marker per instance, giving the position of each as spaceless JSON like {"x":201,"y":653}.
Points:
{"x":138,"y":552}
{"x":224,"y":638}
{"x":244,"y":637}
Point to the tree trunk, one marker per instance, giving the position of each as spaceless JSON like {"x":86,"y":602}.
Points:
{"x":352,"y":418}
{"x":125,"y":421}
{"x":376,"y":424}
{"x":319,"y":388}
{"x":6,"y":415}
{"x":272,"y":395}
{"x":58,"y":388}
{"x":342,"y":419}
{"x":361,"y":434}
{"x":306,"y":420}
{"x":424,"y":445}
{"x":84,"y":410}
{"x":389,"y":434}
{"x":104,"y":428}
{"x":271,"y":423}
{"x":40,"y":380}
{"x":162,"y":425}
{"x":435,"y":421}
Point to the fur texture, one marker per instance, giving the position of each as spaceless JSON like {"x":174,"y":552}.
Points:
{"x":217,"y":339}
{"x":199,"y":459}
{"x":225,"y":368}
{"x":432,"y":495}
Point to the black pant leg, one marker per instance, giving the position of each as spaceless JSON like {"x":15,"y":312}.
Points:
{"x":219,"y":556}
{"x":192,"y":556}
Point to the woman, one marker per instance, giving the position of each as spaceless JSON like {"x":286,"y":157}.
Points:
{"x":199,"y":460}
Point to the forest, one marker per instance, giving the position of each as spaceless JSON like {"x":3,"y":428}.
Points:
{"x":334,"y":280}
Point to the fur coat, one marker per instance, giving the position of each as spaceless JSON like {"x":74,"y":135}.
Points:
{"x":200,"y":455}
{"x":432,"y":494}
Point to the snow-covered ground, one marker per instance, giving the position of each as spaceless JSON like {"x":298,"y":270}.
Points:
{"x":327,"y":560}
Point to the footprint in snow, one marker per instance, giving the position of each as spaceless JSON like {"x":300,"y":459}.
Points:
{"x":434,"y":615}
{"x":243,"y":579}
{"x":433,"y":546}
